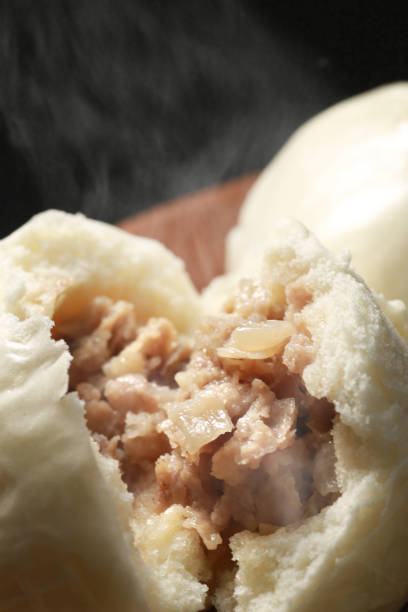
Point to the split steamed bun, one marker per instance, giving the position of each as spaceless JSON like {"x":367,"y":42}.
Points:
{"x":65,"y":535}
{"x":344,"y":175}
{"x":69,"y":535}
{"x":351,"y":556}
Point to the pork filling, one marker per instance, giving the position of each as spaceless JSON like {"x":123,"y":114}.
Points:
{"x":220,"y":424}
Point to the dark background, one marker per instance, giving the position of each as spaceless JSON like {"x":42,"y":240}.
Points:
{"x":112,"y":106}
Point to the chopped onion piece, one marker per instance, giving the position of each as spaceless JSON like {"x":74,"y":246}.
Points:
{"x":261,"y":336}
{"x":257,"y":340}
{"x":229,"y":352}
{"x":198,"y":421}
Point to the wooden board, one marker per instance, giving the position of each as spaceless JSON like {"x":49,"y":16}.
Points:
{"x":194,"y":226}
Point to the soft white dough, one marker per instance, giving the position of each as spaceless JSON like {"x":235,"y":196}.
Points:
{"x":65,"y":544}
{"x":344,"y":175}
{"x":57,"y":256}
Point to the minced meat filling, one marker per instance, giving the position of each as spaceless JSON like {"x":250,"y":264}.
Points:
{"x":222,"y":424}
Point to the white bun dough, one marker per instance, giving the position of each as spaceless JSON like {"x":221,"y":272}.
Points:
{"x":65,"y":542}
{"x":65,"y":537}
{"x":344,"y":175}
{"x":59,"y":259}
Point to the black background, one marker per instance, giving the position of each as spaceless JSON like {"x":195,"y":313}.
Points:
{"x":110,"y":107}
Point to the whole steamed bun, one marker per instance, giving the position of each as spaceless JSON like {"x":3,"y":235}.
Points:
{"x":344,"y":174}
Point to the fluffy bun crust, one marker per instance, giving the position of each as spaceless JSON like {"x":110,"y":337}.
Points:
{"x":65,"y":543}
{"x":342,"y":174}
{"x":353,"y":555}
{"x":57,"y":257}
